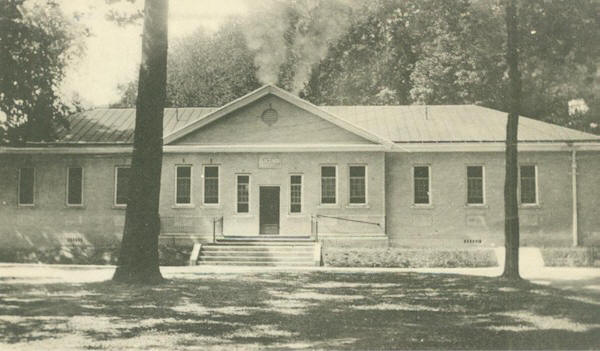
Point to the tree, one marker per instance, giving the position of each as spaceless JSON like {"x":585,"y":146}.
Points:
{"x":205,"y":70}
{"x":37,"y":43}
{"x":511,"y":207}
{"x":138,"y":259}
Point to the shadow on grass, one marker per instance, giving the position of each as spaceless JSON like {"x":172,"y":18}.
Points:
{"x":302,"y":310}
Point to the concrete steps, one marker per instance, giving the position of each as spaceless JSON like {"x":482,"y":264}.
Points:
{"x":260,"y":254}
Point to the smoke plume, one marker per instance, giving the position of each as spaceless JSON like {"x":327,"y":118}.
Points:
{"x":302,"y":29}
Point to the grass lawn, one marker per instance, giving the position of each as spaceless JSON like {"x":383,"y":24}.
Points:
{"x":291,"y":310}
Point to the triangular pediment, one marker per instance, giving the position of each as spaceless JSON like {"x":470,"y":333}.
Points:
{"x":270,"y":115}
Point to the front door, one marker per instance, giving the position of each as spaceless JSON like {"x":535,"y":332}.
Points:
{"x":269,"y":210}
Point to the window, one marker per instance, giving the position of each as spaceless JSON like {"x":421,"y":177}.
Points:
{"x":26,"y":185}
{"x":475,"y":185}
{"x":421,"y":185}
{"x":74,"y":186}
{"x":295,"y":193}
{"x":243,"y":193}
{"x":183,"y":185}
{"x":328,"y":185}
{"x":528,"y":185}
{"x":358,"y":185}
{"x":211,"y":185}
{"x":122,"y":185}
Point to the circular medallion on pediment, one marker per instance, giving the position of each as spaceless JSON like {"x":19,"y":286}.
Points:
{"x":269,"y":116}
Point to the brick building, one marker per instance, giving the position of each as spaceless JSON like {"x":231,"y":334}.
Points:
{"x":271,"y":165}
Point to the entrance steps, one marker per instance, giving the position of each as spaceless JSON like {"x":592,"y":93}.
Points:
{"x":261,"y":253}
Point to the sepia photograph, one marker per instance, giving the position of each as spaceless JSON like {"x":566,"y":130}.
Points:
{"x":299,"y":175}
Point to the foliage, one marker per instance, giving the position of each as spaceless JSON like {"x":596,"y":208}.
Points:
{"x":169,"y":254}
{"x":405,"y":52}
{"x":37,"y":43}
{"x":211,"y":70}
{"x":409,"y":258}
{"x":571,"y":256}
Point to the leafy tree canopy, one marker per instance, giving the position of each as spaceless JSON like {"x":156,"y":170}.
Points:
{"x":36,"y":45}
{"x":401,"y":52}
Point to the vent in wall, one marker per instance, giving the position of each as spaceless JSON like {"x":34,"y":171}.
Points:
{"x":472,"y":241}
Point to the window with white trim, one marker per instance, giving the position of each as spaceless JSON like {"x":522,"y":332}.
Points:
{"x":421,"y":185}
{"x":26,"y":185}
{"x":475,"y":183}
{"x":211,"y":185}
{"x":295,"y":193}
{"x":74,"y":186}
{"x":183,"y":185}
{"x":328,"y":185}
{"x":358,"y":185}
{"x":122,"y":185}
{"x":243,"y":193}
{"x":528,"y":184}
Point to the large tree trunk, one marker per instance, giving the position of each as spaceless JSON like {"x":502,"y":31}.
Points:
{"x":138,"y":259}
{"x":511,"y":206}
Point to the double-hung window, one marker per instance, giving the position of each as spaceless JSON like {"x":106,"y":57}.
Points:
{"x":328,"y":185}
{"x":421,"y":184}
{"x":74,"y":186}
{"x":122,"y":175}
{"x":243,"y":193}
{"x":183,"y":185}
{"x":475,"y":184}
{"x":26,"y":186}
{"x":211,"y":185}
{"x":528,"y":182}
{"x":296,"y":193}
{"x":358,"y":185}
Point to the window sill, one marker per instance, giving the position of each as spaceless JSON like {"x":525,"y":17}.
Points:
{"x":183,"y":207}
{"x":530,"y":206}
{"x":422,"y":207}
{"x":297,"y":215}
{"x":328,"y":206}
{"x":26,"y":206}
{"x":477,"y":206}
{"x":119,"y":207}
{"x":243,"y":215}
{"x":75,"y":207}
{"x":358,"y":206}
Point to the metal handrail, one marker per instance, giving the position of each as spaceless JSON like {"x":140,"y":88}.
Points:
{"x":316,"y":221}
{"x":350,"y":220}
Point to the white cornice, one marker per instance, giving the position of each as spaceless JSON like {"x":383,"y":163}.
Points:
{"x":241,"y":148}
{"x":494,"y":147}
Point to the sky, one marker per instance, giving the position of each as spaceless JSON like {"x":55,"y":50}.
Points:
{"x":113,"y":53}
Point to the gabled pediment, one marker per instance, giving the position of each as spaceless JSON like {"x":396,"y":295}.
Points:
{"x":270,"y":115}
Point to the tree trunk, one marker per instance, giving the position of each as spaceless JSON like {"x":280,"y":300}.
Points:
{"x":138,"y":259}
{"x":511,"y":205}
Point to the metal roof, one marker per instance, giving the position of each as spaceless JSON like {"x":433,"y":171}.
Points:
{"x":400,"y":124}
{"x":449,"y":123}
